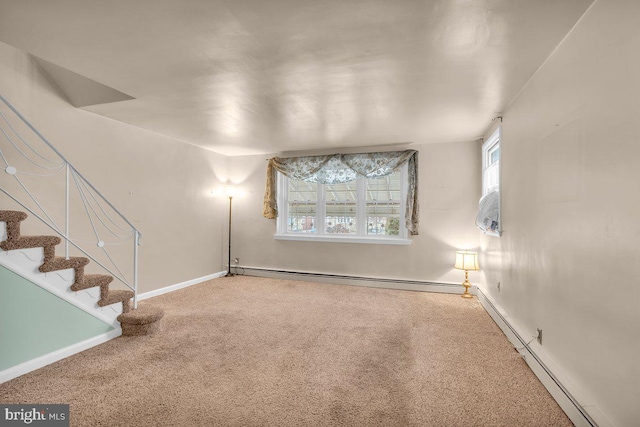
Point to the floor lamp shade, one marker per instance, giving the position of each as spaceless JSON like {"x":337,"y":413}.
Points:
{"x":230,"y":190}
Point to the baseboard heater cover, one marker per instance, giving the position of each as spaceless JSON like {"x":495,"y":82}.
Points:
{"x":403,"y":284}
{"x":532,"y":358}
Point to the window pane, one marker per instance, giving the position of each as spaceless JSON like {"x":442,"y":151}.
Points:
{"x":494,"y":154}
{"x":340,"y":208}
{"x":491,"y":178}
{"x":383,"y":205}
{"x":303,"y":200}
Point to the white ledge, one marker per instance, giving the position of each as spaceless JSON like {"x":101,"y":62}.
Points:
{"x":343,"y":239}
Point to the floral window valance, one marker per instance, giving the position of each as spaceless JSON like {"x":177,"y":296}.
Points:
{"x":340,"y":168}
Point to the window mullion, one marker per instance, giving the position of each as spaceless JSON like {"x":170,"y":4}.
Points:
{"x":361,"y":211}
{"x":321,"y":210}
{"x":404,"y":185}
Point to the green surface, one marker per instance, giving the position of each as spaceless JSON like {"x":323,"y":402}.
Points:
{"x":34,"y":322}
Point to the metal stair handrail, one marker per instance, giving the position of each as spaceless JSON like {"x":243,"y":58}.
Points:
{"x":90,"y":197}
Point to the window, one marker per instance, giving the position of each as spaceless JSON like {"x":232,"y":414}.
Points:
{"x":491,"y":164}
{"x":365,"y":210}
{"x":488,"y":218}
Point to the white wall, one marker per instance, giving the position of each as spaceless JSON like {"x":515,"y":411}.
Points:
{"x":170,"y":181}
{"x":449,"y":192}
{"x":570,"y":207}
{"x":571,"y":211}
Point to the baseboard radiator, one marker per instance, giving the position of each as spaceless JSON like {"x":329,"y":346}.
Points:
{"x":567,"y":401}
{"x":408,"y":285}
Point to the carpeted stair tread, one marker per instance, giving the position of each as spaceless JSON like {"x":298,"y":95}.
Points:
{"x":25,"y":242}
{"x":6,"y":216}
{"x":143,"y":321}
{"x":92,"y":280}
{"x":61,"y":263}
{"x":133,"y":330}
{"x":116,"y":296}
{"x":142,"y":316}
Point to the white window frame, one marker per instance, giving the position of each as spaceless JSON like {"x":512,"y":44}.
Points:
{"x":488,"y":147}
{"x":493,"y":142}
{"x":282,"y":232}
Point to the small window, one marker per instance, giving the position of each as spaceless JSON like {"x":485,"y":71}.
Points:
{"x":491,"y":164}
{"x":488,"y":218}
{"x":365,"y":210}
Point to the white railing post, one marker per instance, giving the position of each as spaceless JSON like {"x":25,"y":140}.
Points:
{"x":136,"y":242}
{"x":66,"y":215}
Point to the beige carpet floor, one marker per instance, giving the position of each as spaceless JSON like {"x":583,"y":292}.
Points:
{"x":249,"y":351}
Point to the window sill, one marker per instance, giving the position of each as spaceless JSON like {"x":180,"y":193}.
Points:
{"x":339,"y":239}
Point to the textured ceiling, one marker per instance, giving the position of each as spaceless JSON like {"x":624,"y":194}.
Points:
{"x":257,"y":76}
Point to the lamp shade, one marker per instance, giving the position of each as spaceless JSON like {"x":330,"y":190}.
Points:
{"x":466,"y":260}
{"x":230,"y":190}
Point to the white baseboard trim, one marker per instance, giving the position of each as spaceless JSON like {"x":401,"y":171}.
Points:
{"x":177,"y":286}
{"x":570,"y":399}
{"x":372,"y":282}
{"x":47,"y":359}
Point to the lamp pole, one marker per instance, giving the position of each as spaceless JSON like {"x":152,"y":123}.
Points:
{"x":229,"y":274}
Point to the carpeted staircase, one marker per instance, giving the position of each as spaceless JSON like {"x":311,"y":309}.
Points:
{"x":143,"y":321}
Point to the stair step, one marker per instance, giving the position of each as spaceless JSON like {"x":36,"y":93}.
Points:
{"x":61,"y":263}
{"x":142,"y":321}
{"x":10,"y":216}
{"x":142,"y":316}
{"x":92,"y":280}
{"x":116,"y":296}
{"x":132,"y":330}
{"x":26,"y":242}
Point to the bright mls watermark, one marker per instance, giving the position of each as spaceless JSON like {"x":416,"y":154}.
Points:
{"x":34,"y":415}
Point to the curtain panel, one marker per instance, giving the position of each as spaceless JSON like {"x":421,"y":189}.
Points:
{"x":339,"y":168}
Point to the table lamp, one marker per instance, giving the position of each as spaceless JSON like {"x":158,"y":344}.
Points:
{"x":467,"y":261}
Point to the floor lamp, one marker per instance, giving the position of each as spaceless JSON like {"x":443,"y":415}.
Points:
{"x":230,"y":191}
